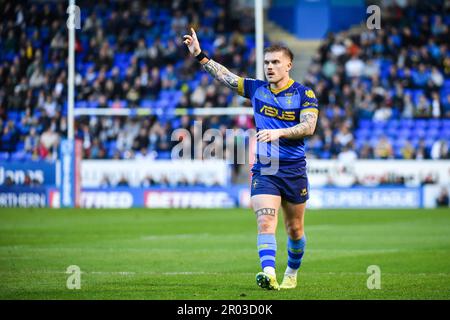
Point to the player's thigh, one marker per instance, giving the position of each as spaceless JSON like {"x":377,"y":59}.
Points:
{"x":265,"y":207}
{"x":294,"y":216}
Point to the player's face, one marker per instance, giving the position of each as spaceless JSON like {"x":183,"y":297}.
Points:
{"x":276,"y":66}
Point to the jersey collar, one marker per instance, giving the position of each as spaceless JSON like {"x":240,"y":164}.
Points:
{"x":276,"y":91}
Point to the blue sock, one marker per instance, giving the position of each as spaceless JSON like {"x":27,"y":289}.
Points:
{"x":267,"y":249}
{"x":295,"y":249}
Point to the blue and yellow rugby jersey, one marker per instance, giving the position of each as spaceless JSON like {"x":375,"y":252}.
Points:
{"x":277,"y":109}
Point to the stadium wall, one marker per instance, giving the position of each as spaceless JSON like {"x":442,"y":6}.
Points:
{"x":423,"y":181}
{"x":219,"y":197}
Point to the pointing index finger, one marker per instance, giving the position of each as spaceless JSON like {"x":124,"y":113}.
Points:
{"x":194,"y":35}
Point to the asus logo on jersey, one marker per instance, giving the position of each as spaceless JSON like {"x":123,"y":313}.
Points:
{"x":274,"y":113}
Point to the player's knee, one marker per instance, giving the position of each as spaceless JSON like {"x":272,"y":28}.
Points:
{"x":266,"y":226}
{"x":295,"y":231}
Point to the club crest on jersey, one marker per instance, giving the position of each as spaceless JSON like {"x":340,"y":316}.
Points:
{"x":310,"y":94}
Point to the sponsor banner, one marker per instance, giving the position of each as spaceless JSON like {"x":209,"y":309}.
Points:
{"x":120,"y":199}
{"x":365,"y":197}
{"x":124,"y":197}
{"x":23,"y":197}
{"x":41,"y":172}
{"x":190,"y":198}
{"x":95,"y":172}
{"x":239,"y":196}
{"x":371,"y":172}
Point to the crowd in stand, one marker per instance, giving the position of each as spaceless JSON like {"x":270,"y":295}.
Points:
{"x":388,"y":76}
{"x":127,"y":53}
{"x":131,"y":53}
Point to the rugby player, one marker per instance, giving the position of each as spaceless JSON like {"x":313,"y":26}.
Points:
{"x":285,"y":113}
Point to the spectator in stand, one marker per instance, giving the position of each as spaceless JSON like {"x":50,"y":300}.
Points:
{"x":407,"y":151}
{"x":354,"y":67}
{"x":383,"y":149}
{"x":347,"y":154}
{"x":423,"y":109}
{"x":422,"y":152}
{"x":446,"y":106}
{"x":440,"y":150}
{"x":443,"y":198}
{"x":366,"y":152}
{"x":123,"y":182}
{"x":48,"y":146}
{"x":148,"y":181}
{"x":408,"y":107}
{"x":344,"y":137}
{"x":31,"y":140}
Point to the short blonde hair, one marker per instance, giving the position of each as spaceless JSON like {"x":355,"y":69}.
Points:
{"x":278,"y":48}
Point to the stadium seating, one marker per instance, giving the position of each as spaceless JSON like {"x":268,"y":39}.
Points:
{"x":385,"y":114}
{"x":109,"y":66}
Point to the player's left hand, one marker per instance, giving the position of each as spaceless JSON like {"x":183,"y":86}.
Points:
{"x":268,"y":135}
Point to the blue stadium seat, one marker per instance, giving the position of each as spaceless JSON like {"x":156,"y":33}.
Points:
{"x":404,"y":133}
{"x":379,"y":124}
{"x":4,"y":156}
{"x":445,"y":133}
{"x":406,"y":123}
{"x":391,"y":131}
{"x":365,"y":123}
{"x":18,"y":155}
{"x":434,"y":123}
{"x":433,"y":133}
{"x":325,"y":154}
{"x":378,"y":132}
{"x":419,"y":133}
{"x":399,"y":143}
{"x":81,"y":104}
{"x":393,"y":123}
{"x":14,"y":115}
{"x":420,"y":124}
{"x":446,"y":83}
{"x":164,"y":155}
{"x":362,"y":133}
{"x":147,"y":103}
{"x":93,"y":104}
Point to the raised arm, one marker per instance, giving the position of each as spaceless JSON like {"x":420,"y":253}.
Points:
{"x":215,"y":69}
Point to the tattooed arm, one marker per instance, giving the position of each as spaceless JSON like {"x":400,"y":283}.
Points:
{"x":215,"y":69}
{"x":306,"y":127}
{"x":222,"y":74}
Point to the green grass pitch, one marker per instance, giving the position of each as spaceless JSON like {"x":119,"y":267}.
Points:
{"x":211,"y":254}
